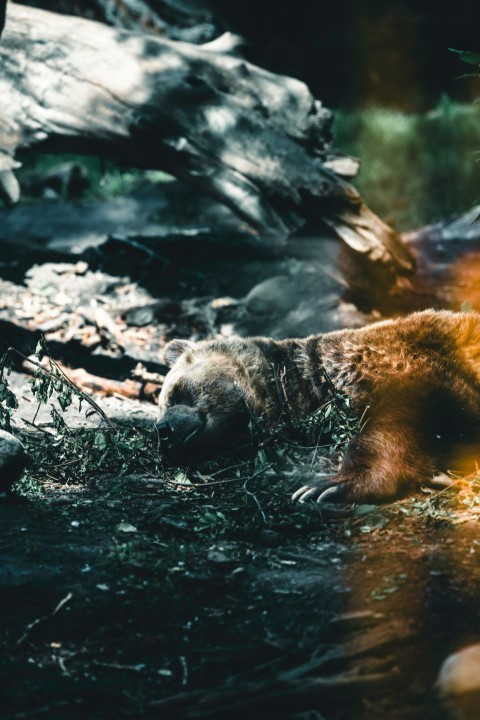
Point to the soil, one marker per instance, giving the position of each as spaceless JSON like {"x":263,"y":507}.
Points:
{"x":122,"y":598}
{"x":127,"y":596}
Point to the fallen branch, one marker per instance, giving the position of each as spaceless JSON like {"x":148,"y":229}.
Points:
{"x":44,"y":618}
{"x":103,"y":386}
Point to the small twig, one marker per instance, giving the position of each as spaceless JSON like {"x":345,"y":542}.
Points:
{"x":227,"y":481}
{"x":278,"y":388}
{"x":224,"y":470}
{"x":205,"y":484}
{"x":64,"y":464}
{"x":48,"y":709}
{"x":362,"y":424}
{"x":37,"y":427}
{"x":39,"y":620}
{"x":291,"y":555}
{"x":39,"y":405}
{"x":61,"y":663}
{"x":116,"y":666}
{"x":256,"y":500}
{"x":183,"y":663}
{"x":317,"y":446}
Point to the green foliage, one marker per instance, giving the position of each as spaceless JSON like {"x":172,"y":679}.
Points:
{"x":77,"y":455}
{"x":211,"y":522}
{"x":116,"y":181}
{"x":45,"y":384}
{"x":333,"y":425}
{"x":416,"y":168}
{"x":8,"y":401}
{"x":108,"y":179}
{"x":69,"y":455}
{"x":467,"y":56}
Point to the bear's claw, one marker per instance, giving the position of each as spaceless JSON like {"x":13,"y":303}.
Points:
{"x":321,"y":489}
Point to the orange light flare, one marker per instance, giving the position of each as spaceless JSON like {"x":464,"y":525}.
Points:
{"x":466,"y":483}
{"x":464,"y":278}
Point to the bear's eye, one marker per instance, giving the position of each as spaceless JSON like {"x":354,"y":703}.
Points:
{"x":180,"y":396}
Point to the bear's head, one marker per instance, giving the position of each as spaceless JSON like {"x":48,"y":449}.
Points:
{"x":209,"y":395}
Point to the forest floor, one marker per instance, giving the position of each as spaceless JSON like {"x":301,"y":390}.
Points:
{"x":126,"y":597}
{"x":138,"y":594}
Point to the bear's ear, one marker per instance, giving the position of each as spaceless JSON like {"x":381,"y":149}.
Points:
{"x":174,"y":349}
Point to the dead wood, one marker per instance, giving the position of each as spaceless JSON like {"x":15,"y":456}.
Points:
{"x":43,"y":619}
{"x":176,"y":19}
{"x":74,"y":352}
{"x":102,"y":386}
{"x":255,"y":141}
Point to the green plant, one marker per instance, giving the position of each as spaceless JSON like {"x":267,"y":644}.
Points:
{"x":467,"y":56}
{"x":416,"y":168}
{"x":107,"y":179}
{"x":64,"y":454}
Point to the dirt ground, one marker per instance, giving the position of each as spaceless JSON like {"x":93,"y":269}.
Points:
{"x":124,"y":598}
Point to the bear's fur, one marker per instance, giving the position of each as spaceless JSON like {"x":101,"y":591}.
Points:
{"x":414,"y":381}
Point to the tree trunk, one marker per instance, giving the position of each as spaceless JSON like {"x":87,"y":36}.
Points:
{"x":257,"y":142}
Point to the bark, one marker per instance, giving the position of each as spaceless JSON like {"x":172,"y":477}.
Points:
{"x":175,"y":19}
{"x":257,"y":142}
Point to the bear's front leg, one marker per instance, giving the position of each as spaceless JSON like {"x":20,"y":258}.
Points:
{"x":391,"y":456}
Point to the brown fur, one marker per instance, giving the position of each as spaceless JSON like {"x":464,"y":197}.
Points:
{"x":415,"y":381}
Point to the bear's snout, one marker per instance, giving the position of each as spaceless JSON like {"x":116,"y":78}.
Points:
{"x":179,"y":426}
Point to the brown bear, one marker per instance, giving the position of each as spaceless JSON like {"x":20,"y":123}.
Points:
{"x":414,"y":381}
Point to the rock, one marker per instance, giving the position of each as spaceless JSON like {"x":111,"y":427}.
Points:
{"x":13,"y":460}
{"x":458,"y":683}
{"x":270,"y":538}
{"x":306,"y":300}
{"x":272,"y":297}
{"x":222,"y":554}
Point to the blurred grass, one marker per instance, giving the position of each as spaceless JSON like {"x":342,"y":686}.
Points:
{"x":108,"y":180}
{"x":416,"y":168}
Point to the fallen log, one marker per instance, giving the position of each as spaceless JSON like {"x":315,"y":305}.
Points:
{"x":255,"y":141}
